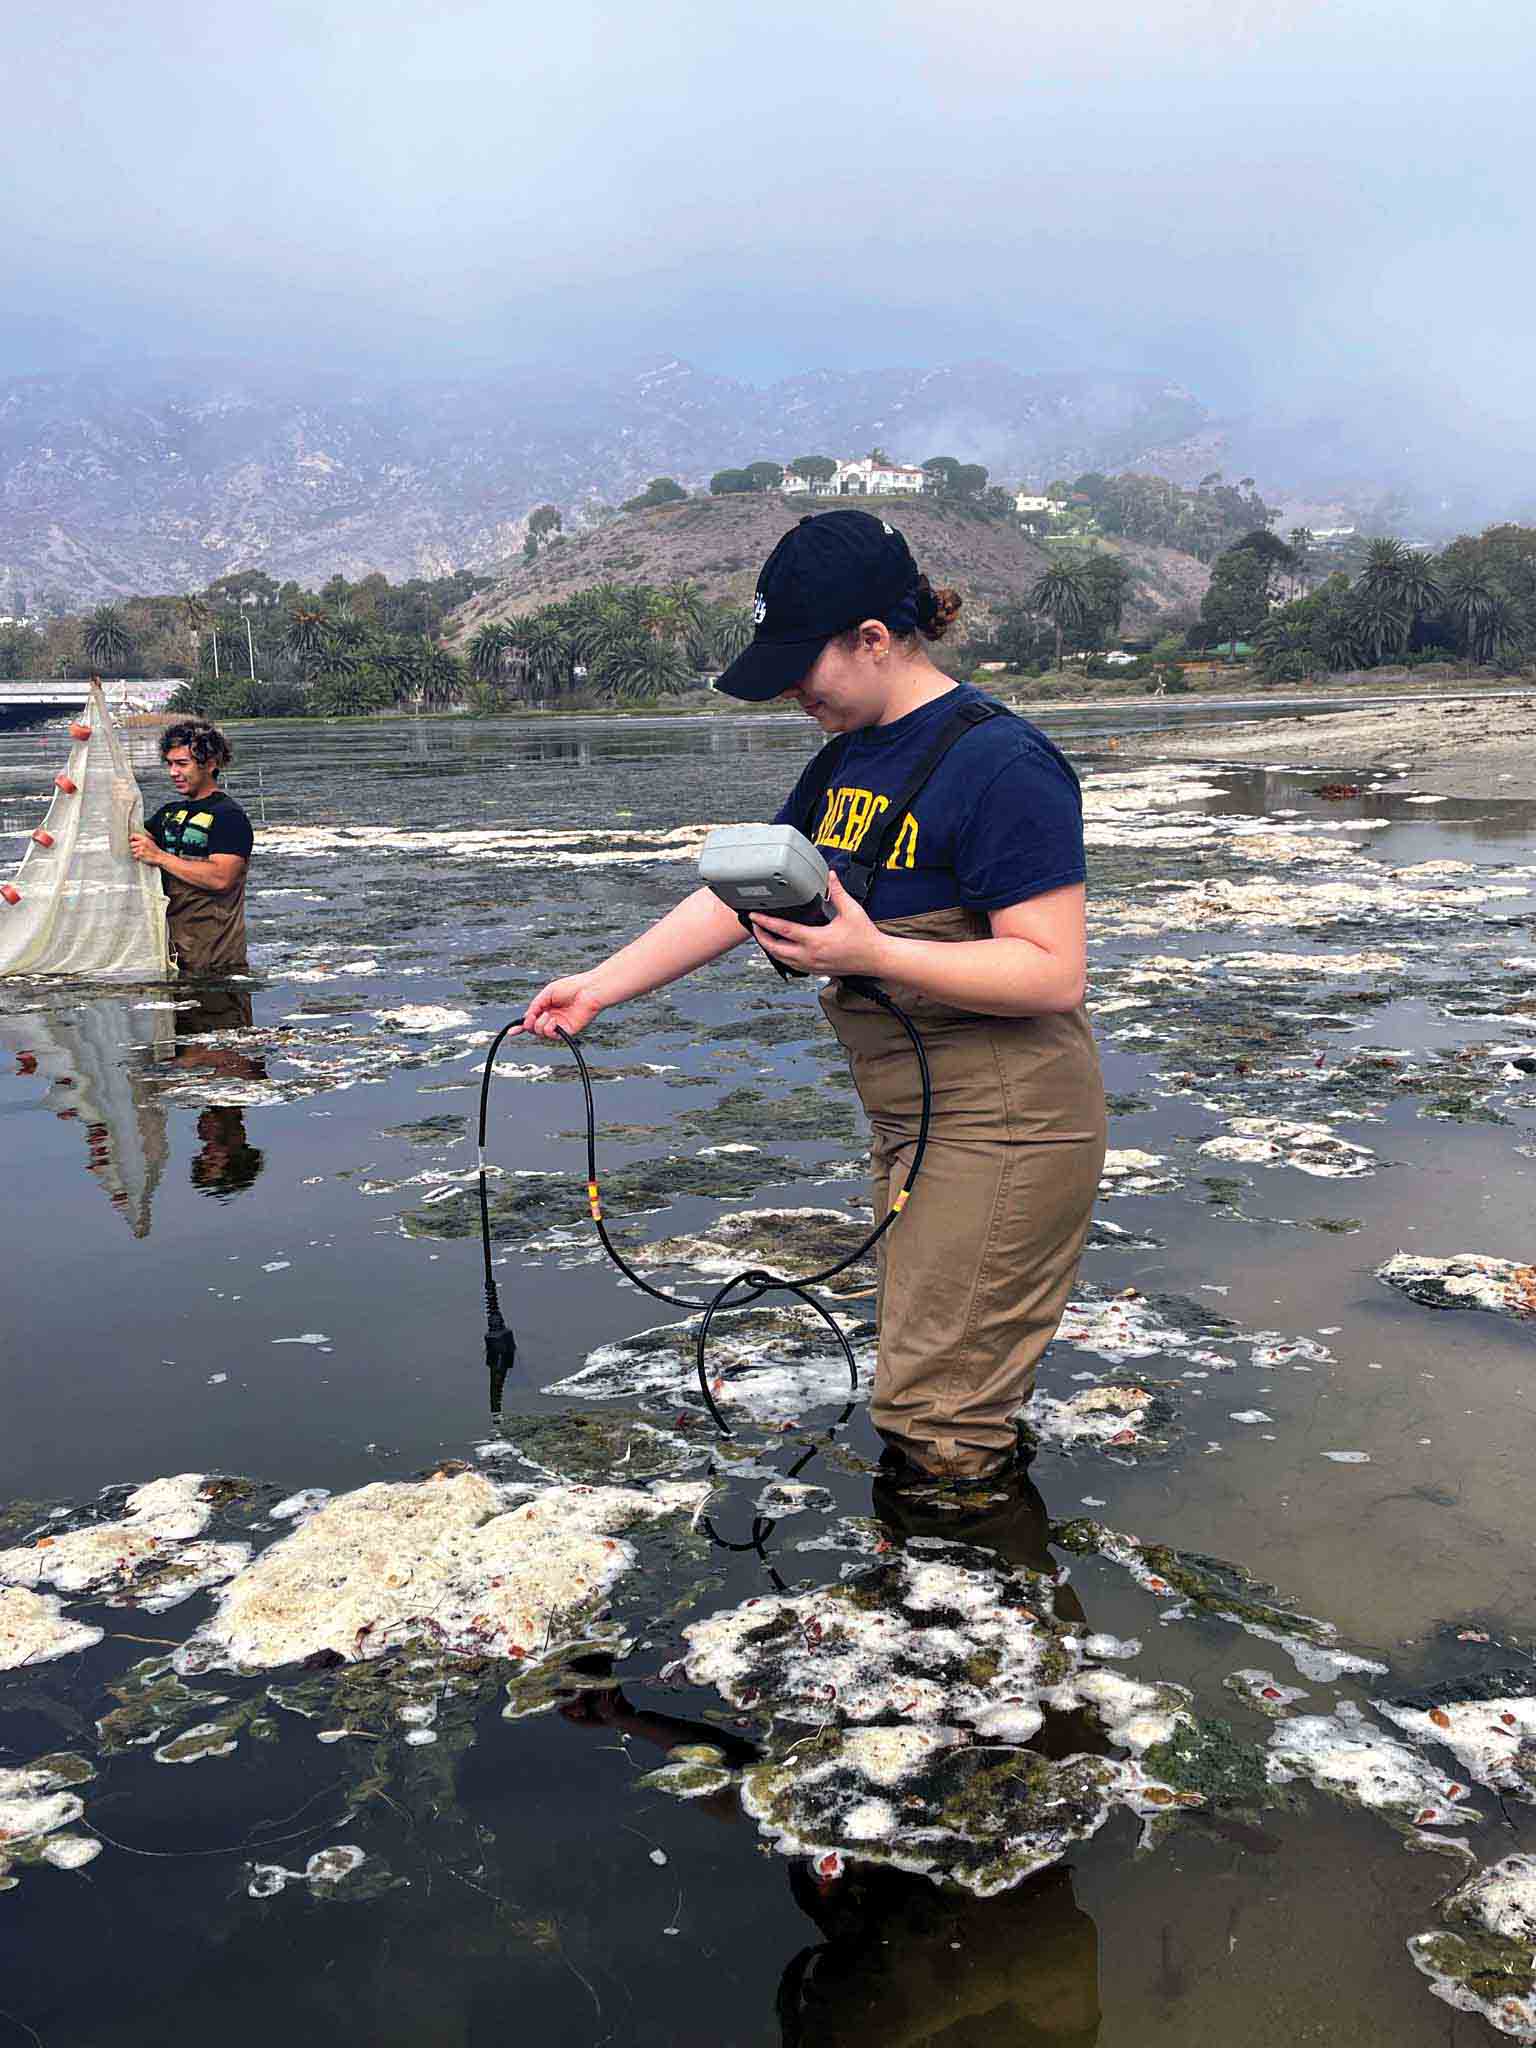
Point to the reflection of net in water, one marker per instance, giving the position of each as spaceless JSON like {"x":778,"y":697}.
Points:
{"x":80,"y":904}
{"x":86,"y":1061}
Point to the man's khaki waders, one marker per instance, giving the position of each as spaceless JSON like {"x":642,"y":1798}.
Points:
{"x":975,"y":1272}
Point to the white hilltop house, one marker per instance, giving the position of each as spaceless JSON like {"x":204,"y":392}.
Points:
{"x":862,"y":477}
{"x":1032,"y":501}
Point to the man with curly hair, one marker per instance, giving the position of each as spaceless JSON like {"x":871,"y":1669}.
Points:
{"x":201,"y":843}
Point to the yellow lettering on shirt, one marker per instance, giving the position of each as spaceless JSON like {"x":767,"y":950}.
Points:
{"x":203,"y":818}
{"x":847,"y":816}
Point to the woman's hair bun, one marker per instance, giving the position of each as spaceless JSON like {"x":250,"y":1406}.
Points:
{"x":937,"y":610}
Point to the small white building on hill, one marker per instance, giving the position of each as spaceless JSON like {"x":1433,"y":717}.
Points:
{"x":862,"y":477}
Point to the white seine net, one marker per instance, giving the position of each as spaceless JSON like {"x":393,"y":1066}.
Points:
{"x":84,"y":906}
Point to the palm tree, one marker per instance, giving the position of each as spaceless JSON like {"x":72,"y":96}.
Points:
{"x":543,"y":643}
{"x":107,"y":642}
{"x":1475,"y":605}
{"x":1384,"y":560}
{"x":442,"y":677}
{"x":1062,"y":595}
{"x":306,"y":637}
{"x":1398,"y":577}
{"x":1380,"y":619}
{"x":643,"y":667}
{"x":1340,"y":638}
{"x":1418,"y":588}
{"x":488,"y":652}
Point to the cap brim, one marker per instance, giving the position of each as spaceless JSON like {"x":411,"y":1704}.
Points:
{"x":770,"y":667}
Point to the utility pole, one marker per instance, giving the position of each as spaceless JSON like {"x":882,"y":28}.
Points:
{"x":215,"y":632}
{"x":250,"y":645}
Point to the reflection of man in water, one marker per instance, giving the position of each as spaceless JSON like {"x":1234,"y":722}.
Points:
{"x":228,"y":1162}
{"x":904,"y":1962}
{"x":201,"y":842}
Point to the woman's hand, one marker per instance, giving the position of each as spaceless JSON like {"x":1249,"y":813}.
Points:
{"x":851,"y":944}
{"x":567,"y":1005}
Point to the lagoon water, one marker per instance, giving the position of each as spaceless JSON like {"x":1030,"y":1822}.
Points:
{"x":254,"y":1253}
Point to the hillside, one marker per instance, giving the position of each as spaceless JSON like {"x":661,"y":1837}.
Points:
{"x":163,"y":477}
{"x":720,"y":543}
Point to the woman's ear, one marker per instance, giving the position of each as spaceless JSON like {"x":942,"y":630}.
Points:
{"x":875,"y":638}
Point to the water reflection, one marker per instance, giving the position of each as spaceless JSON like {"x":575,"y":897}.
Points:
{"x":903,"y":1963}
{"x":92,"y":1062}
{"x":227,"y":1163}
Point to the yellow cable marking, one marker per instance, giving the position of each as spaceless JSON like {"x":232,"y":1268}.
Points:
{"x":594,"y":1201}
{"x":900,"y":1202}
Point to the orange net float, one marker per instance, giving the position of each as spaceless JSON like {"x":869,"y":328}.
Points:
{"x":42,"y":838}
{"x":66,"y":783}
{"x":11,"y":895}
{"x":79,"y":731}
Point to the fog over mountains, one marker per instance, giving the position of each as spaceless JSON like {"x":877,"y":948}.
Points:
{"x":160,"y":478}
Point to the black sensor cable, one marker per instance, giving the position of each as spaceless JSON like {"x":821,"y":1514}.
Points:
{"x":741,"y":1289}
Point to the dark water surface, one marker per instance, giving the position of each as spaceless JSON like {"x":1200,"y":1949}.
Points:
{"x":178,"y":1210}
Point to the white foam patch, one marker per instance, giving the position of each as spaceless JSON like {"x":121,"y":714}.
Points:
{"x":1493,"y":1740}
{"x":483,"y":1569}
{"x":770,"y":1367}
{"x":1465,"y":1280}
{"x":1347,"y":1755}
{"x":1499,"y":1902}
{"x":1312,"y":1148}
{"x":150,"y":1558}
{"x":34,"y":1629}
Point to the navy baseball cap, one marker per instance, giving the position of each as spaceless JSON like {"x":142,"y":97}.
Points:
{"x":825,"y":576}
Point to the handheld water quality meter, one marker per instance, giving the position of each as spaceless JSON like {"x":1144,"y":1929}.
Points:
{"x":772,"y":868}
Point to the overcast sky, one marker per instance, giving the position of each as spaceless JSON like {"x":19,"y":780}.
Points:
{"x":1280,"y":206}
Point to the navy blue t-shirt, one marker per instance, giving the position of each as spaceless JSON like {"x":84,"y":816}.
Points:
{"x":998,"y":821}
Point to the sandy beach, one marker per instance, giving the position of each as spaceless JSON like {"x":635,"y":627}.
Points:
{"x":1467,"y":746}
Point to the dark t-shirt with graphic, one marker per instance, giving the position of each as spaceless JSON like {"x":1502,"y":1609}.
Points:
{"x":207,"y":929}
{"x":998,"y":821}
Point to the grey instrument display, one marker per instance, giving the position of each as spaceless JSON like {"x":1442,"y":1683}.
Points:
{"x":772,"y":868}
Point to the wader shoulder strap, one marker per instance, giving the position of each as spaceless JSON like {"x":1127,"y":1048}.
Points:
{"x":880,"y":834}
{"x":823,"y":766}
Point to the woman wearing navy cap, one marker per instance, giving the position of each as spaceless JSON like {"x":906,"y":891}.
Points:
{"x":975,"y":925}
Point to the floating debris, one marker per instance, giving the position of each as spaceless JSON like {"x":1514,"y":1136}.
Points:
{"x":1310,"y":1148}
{"x":323,"y":1873}
{"x":1263,"y":1690}
{"x":1492,"y":1737}
{"x":590,"y":1447}
{"x":149,"y":1559}
{"x":424,"y":1019}
{"x":1132,"y":1417}
{"x":1129,"y":1172}
{"x":922,"y":1637}
{"x":1465,"y":1280}
{"x":483,"y":1570}
{"x":1346,"y":1755}
{"x":694,"y":1770}
{"x":34,"y":1629}
{"x":784,"y":1241}
{"x":925,"y":1800}
{"x":1484,"y":1960}
{"x":37,"y":1806}
{"x":1209,"y":1585}
{"x":769,"y":1363}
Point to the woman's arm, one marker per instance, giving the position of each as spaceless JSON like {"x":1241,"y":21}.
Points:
{"x":700,"y":929}
{"x":1034,"y":963}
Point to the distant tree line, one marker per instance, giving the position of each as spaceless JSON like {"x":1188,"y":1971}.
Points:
{"x":615,"y":642}
{"x":1200,"y":522}
{"x":346,"y":647}
{"x":1474,"y":604}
